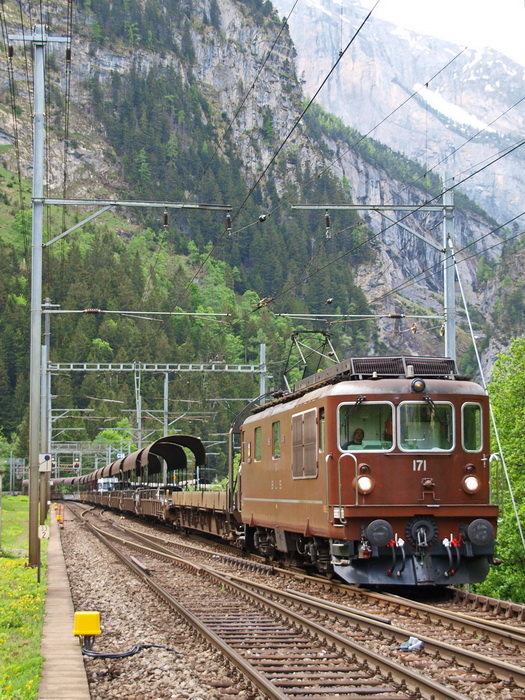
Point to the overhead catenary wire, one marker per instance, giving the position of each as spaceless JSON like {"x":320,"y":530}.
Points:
{"x":330,"y":165}
{"x":386,"y":228}
{"x":308,"y":105}
{"x":466,"y":142}
{"x":243,"y":101}
{"x":229,"y":127}
{"x":382,"y":121}
{"x":504,"y":152}
{"x":282,"y":145}
{"x":326,"y":78}
{"x":403,"y":104}
{"x":421,"y":275}
{"x":285,"y":141}
{"x":284,"y":24}
{"x":491,"y":409}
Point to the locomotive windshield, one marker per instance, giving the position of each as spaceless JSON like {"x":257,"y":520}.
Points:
{"x":365,"y":426}
{"x":426,"y":426}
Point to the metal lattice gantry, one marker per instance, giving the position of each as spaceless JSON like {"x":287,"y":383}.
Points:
{"x":159,"y":368}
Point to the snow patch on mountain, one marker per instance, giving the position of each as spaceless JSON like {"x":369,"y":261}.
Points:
{"x":450,"y":110}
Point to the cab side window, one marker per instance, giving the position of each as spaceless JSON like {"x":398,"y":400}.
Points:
{"x":276,"y":439}
{"x":258,"y":444}
{"x":472,"y":427}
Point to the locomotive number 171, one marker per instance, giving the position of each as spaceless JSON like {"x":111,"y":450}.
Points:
{"x":419,"y":465}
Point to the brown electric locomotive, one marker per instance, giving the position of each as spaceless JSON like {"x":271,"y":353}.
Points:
{"x":377,"y":468}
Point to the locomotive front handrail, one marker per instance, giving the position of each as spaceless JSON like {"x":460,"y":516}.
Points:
{"x":346,"y":454}
{"x":326,"y":459}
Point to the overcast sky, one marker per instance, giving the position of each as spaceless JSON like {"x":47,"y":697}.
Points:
{"x":472,"y":23}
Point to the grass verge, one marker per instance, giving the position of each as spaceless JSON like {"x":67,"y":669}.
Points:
{"x":21,"y":605}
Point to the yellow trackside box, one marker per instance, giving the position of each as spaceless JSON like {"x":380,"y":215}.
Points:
{"x":87,"y":624}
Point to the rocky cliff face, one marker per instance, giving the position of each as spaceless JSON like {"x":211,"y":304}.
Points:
{"x":384,"y":66}
{"x":233,"y":69}
{"x":230,"y":62}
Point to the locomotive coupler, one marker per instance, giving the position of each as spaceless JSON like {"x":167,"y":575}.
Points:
{"x":422,"y":544}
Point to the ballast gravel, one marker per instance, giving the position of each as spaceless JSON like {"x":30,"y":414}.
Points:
{"x":130,"y":616}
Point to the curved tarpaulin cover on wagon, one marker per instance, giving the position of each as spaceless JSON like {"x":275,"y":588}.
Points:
{"x":170,"y":449}
{"x":132,"y":461}
{"x":111,"y":469}
{"x":174,"y":456}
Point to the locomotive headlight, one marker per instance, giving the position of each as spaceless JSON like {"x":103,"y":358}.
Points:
{"x":471,"y":483}
{"x":418,"y":385}
{"x":365,"y":483}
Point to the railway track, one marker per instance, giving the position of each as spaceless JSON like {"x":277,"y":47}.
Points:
{"x":461,"y":604}
{"x":481,"y":605}
{"x":291,"y":645}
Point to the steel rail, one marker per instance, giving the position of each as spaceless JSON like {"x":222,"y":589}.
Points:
{"x":504,"y":671}
{"x":238,"y":661}
{"x":414,"y":681}
{"x":486,"y":664}
{"x":496,"y":630}
{"x":507,"y":607}
{"x":502,"y":631}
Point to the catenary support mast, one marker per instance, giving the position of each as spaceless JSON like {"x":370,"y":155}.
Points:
{"x":38,"y":39}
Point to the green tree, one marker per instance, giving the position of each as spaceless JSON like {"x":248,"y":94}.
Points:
{"x":507,"y":392}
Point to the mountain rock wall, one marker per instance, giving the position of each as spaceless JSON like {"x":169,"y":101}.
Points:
{"x":385,"y":66}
